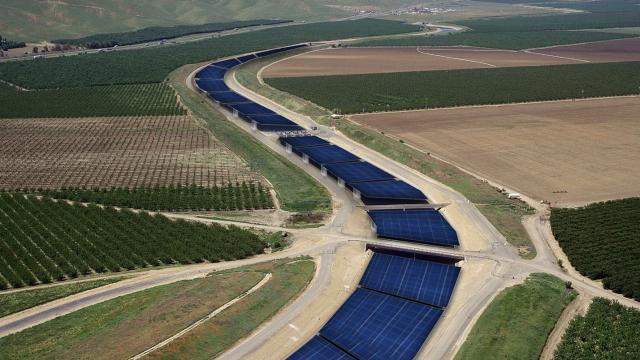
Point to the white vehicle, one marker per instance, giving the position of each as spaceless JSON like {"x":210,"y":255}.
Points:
{"x":513,"y":196}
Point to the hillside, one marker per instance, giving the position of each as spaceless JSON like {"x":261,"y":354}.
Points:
{"x":34,"y":20}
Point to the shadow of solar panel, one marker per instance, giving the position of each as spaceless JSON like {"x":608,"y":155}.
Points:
{"x":226,"y":64}
{"x":273,"y":119}
{"x":358,"y":172}
{"x":373,"y":325}
{"x":420,"y":280}
{"x":212,"y":85}
{"x":228,"y":97}
{"x":245,"y":58}
{"x":298,"y":142}
{"x":251,"y":108}
{"x":279,"y":128}
{"x":330,"y":154}
{"x":423,"y":226}
{"x":279,"y":50}
{"x":211,"y":72}
{"x":397,"y":190}
{"x":319,"y":348}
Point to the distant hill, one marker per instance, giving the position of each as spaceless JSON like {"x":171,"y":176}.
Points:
{"x":36,"y":20}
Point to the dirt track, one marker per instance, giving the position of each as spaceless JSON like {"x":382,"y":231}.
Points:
{"x":347,"y":61}
{"x":567,"y":152}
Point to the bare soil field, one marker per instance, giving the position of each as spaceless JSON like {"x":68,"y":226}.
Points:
{"x":349,"y":61}
{"x":565,"y":152}
{"x":117,"y":151}
{"x":601,"y":51}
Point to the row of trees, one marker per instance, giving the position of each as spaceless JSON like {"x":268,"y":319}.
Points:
{"x":42,"y":241}
{"x":6,"y":44}
{"x":602,"y":241}
{"x":239,"y":196}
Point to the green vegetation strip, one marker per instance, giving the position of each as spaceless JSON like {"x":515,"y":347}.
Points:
{"x":42,"y":241}
{"x":433,"y":89}
{"x":120,"y":100}
{"x":505,"y":214}
{"x":172,"y":198}
{"x":154,"y":64}
{"x":499,"y":40}
{"x":517,"y":322}
{"x":160,"y":33}
{"x":608,"y":331}
{"x":296,"y":190}
{"x":14,"y":302}
{"x":602,"y":241}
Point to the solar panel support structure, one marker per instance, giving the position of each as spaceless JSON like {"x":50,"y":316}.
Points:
{"x":341,"y":183}
{"x":235,"y":113}
{"x":289,"y":149}
{"x":323,"y":171}
{"x":305,"y":158}
{"x":254,"y":125}
{"x":356,"y":194}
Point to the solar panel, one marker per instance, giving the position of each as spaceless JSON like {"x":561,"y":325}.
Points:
{"x":228,"y":97}
{"x":273,"y":119}
{"x":424,"y":226}
{"x":318,"y":348}
{"x":251,"y":108}
{"x":396,"y":190}
{"x":373,"y":325}
{"x":330,"y":154}
{"x":245,"y":58}
{"x":212,"y":85}
{"x":420,"y":280}
{"x":358,"y":172}
{"x":211,"y":72}
{"x":304,"y":141}
{"x":226,"y":64}
{"x":279,"y":128}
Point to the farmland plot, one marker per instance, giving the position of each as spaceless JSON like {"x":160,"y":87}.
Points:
{"x":121,"y":151}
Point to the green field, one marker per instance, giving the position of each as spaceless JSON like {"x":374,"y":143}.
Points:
{"x":499,"y":40}
{"x":169,"y":198}
{"x":517,"y":322}
{"x":21,"y":300}
{"x":119,"y":100}
{"x":602,"y":241}
{"x":154,"y":64}
{"x":159,"y":33}
{"x":42,"y":241}
{"x":433,"y":89}
{"x":608,"y":331}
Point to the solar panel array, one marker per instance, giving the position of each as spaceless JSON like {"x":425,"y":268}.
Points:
{"x":423,"y":226}
{"x":356,"y":172}
{"x":391,"y":314}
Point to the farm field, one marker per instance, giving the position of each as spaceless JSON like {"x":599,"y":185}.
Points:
{"x":548,"y":150}
{"x":616,"y":336}
{"x":601,"y":241}
{"x":114,"y":151}
{"x":42,"y":241}
{"x":347,"y":61}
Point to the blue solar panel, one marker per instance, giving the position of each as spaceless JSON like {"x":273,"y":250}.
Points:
{"x":211,"y":72}
{"x":212,"y":85}
{"x":279,"y":128}
{"x":251,"y":108}
{"x":420,"y":280}
{"x":227,"y":64}
{"x":330,"y":154}
{"x":389,"y":189}
{"x":318,"y":348}
{"x":228,"y":97}
{"x":303,"y":141}
{"x":424,"y":226}
{"x":273,"y":119}
{"x":358,"y":172}
{"x":245,"y":58}
{"x":373,"y":325}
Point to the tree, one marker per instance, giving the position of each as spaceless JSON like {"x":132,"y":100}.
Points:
{"x":35,"y":50}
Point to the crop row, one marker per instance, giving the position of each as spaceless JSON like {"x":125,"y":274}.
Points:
{"x":432,"y":89}
{"x":608,"y":331}
{"x":154,"y":64}
{"x":122,"y":100}
{"x":601,"y":241}
{"x":179,"y":198}
{"x":42,"y":241}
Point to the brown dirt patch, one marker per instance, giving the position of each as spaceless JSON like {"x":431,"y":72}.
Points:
{"x":117,"y":151}
{"x":601,"y":51}
{"x":566,"y":152}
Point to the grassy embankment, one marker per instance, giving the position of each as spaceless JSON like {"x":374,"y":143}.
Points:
{"x":127,"y":325}
{"x":503,"y":213}
{"x":296,"y":190}
{"x":517,"y":322}
{"x":14,"y":302}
